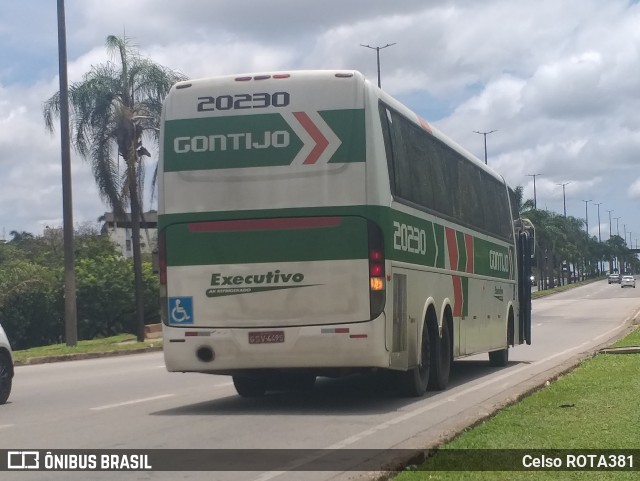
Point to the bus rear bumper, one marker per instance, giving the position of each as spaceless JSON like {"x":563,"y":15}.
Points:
{"x":352,"y":345}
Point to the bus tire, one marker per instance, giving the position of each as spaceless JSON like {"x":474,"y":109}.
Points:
{"x":499,"y":358}
{"x":440,"y":360}
{"x":249,"y":386}
{"x":414,"y":381}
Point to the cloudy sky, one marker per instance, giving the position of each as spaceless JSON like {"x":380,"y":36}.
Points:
{"x":558,"y":81}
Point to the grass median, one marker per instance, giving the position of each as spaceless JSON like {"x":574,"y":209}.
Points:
{"x":120,"y":344}
{"x":593,"y":407}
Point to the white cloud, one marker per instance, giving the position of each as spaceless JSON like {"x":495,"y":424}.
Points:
{"x":557,"y":80}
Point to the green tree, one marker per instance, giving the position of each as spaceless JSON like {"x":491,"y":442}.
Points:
{"x":114,"y":105}
{"x":31,"y":303}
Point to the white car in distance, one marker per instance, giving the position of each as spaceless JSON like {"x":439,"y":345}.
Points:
{"x":628,"y":281}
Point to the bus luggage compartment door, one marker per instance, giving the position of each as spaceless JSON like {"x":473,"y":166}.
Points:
{"x":290,"y":271}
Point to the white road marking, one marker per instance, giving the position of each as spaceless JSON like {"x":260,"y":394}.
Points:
{"x":416,"y":412}
{"x":2,"y":426}
{"x":133,"y":401}
{"x":610,"y":330}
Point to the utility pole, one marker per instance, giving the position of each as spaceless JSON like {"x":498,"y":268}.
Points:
{"x":609,"y":211}
{"x":599,"y":236}
{"x":70,"y":308}
{"x":564,"y":198}
{"x":377,"y":49}
{"x":586,"y":214}
{"x":535,"y":199}
{"x":485,"y":142}
{"x":600,"y":261}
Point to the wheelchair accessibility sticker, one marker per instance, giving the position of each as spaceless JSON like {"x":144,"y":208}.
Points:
{"x":181,"y":310}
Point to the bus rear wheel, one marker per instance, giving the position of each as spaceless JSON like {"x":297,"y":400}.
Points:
{"x":249,"y":386}
{"x":499,"y":358}
{"x":441,"y":360}
{"x":414,"y":381}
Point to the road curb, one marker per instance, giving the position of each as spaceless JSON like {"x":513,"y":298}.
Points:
{"x":621,"y":350}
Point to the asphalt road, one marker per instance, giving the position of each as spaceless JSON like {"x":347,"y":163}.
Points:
{"x":131,"y":402}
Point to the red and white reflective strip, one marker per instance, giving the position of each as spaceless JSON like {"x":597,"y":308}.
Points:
{"x":196,"y":333}
{"x":342,"y":330}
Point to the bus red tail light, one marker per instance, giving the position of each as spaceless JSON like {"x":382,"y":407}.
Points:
{"x":162,"y":259}
{"x":377,"y":283}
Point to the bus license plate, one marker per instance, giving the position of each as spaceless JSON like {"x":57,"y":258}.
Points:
{"x":266,"y":337}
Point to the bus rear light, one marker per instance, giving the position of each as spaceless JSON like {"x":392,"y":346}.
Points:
{"x":162,"y":259}
{"x":247,"y":78}
{"x":376,"y":283}
{"x":376,"y":270}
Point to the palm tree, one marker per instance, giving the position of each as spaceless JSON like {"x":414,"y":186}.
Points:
{"x":521,"y":206}
{"x":20,"y":237}
{"x":113,"y":106}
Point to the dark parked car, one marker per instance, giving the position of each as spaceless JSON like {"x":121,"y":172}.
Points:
{"x":6,"y":367}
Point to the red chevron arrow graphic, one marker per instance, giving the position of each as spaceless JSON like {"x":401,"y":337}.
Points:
{"x":321,"y":141}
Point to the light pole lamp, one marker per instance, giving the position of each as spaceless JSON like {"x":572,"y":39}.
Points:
{"x":377,"y":49}
{"x":535,"y":198}
{"x":485,"y":142}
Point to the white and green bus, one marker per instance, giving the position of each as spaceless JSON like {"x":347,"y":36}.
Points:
{"x":311,"y":225}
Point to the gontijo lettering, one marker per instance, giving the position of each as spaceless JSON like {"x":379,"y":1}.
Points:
{"x":240,"y":141}
{"x":498,"y":261}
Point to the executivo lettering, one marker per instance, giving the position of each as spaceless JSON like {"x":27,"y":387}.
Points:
{"x":225,"y":285}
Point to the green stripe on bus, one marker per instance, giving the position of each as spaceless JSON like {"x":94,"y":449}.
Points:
{"x":407,"y":238}
{"x":462,"y":252}
{"x":465,"y":296}
{"x":260,"y":140}
{"x":188,"y":248}
{"x":349,"y":126}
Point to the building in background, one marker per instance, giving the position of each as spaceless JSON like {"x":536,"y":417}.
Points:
{"x":119,"y":231}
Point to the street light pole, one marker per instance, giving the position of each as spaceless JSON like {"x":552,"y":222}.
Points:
{"x":377,"y":49}
{"x":564,"y":198}
{"x":599,"y":204}
{"x":618,"y":225}
{"x":70,"y":306}
{"x":586,"y":214}
{"x":600,"y":262}
{"x":485,"y":142}
{"x":535,"y":199}
{"x":609,"y":211}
